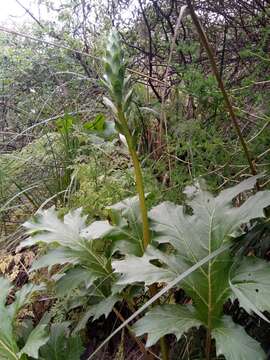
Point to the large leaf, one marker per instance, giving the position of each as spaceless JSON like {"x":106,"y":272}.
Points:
{"x":104,"y":307}
{"x":250,"y":284}
{"x":167,"y":319}
{"x":77,"y":242}
{"x":61,"y":345}
{"x":37,"y":338}
{"x":9,"y":349}
{"x":8,"y":345}
{"x":195,"y":230}
{"x":84,"y":252}
{"x":51,"y":229}
{"x":213,"y":220}
{"x":48,"y":228}
{"x":137,"y":269}
{"x":127,"y":234}
{"x":233,"y":342}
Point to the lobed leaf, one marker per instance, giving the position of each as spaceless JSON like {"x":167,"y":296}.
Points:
{"x":37,"y":338}
{"x":234,"y":343}
{"x":140,"y":269}
{"x":166,"y":319}
{"x":104,"y":307}
{"x":251,"y":286}
{"x":61,"y":345}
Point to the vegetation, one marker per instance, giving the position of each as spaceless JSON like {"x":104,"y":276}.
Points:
{"x":113,"y":114}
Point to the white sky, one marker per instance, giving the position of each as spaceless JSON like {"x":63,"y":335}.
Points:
{"x":12,"y":12}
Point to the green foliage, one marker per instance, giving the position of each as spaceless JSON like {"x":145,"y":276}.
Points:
{"x":198,"y":150}
{"x":61,"y":345}
{"x":213,"y":223}
{"x":203,"y":88}
{"x":190,"y":233}
{"x":104,"y":178}
{"x":9,"y":342}
{"x":100,"y":126}
{"x":73,"y":163}
{"x":81,"y":246}
{"x":41,"y":170}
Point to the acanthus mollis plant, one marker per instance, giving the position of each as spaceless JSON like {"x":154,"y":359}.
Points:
{"x":118,"y":85}
{"x":120,"y":92}
{"x":191,"y":232}
{"x":19,"y":340}
{"x":182,"y":236}
{"x":86,"y":278}
{"x":17,"y":344}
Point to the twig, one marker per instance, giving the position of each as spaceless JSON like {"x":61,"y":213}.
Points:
{"x":252,"y":84}
{"x":205,"y":42}
{"x":30,"y":14}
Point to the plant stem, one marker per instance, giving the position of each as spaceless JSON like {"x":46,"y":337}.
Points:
{"x":140,"y":190}
{"x":208,"y":345}
{"x":205,"y":42}
{"x":164,"y":348}
{"x":138,"y":178}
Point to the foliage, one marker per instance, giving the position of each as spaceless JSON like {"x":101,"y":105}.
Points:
{"x":61,"y":344}
{"x":213,"y":223}
{"x":59,"y":146}
{"x":10,"y":344}
{"x":73,"y":242}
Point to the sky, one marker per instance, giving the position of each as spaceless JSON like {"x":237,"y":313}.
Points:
{"x":11,"y":12}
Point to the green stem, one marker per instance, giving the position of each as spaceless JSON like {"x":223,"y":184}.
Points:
{"x":164,"y":348}
{"x":140,"y":190}
{"x":138,"y":177}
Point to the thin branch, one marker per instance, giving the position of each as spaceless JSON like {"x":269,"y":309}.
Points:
{"x":205,"y":42}
{"x":30,"y":14}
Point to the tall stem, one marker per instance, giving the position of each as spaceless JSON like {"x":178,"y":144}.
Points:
{"x":138,"y":178}
{"x":208,"y":345}
{"x":140,"y":190}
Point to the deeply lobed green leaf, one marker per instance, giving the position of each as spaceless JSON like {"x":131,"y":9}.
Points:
{"x":195,"y":230}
